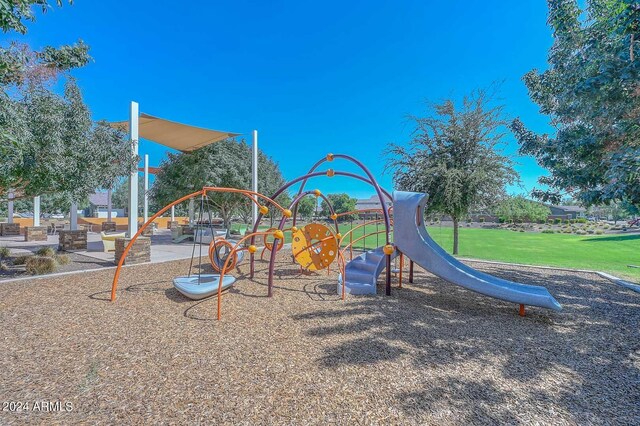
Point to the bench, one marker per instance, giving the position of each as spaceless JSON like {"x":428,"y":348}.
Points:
{"x":109,"y":240}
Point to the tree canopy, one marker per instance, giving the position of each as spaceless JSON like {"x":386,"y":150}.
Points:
{"x":13,"y":13}
{"x":518,"y":209}
{"x":50,"y":144}
{"x":591,"y":92}
{"x":120,"y":195}
{"x":223,"y":164}
{"x":48,"y":141}
{"x":454,"y":156}
{"x":307,"y":207}
{"x":341,"y":203}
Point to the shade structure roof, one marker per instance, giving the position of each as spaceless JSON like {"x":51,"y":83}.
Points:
{"x":181,"y":137}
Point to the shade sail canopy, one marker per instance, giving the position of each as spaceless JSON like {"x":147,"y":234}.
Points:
{"x":178,"y":136}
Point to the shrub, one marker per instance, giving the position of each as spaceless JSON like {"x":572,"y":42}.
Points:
{"x":46,"y":252}
{"x":567,"y":221}
{"x":548,"y":231}
{"x":4,"y":266}
{"x":581,"y":232}
{"x":4,"y":252}
{"x":599,"y":232}
{"x":37,"y":265}
{"x":567,"y":231}
{"x":557,"y":221}
{"x":62,"y":259}
{"x":20,"y":260}
{"x":582,"y":220}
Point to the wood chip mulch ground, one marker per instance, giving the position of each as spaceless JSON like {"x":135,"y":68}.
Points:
{"x":432,"y":353}
{"x":77,"y":262}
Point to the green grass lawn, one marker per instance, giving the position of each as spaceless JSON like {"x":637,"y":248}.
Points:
{"x":608,"y":253}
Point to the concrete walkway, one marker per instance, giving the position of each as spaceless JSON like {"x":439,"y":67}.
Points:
{"x":162,"y":249}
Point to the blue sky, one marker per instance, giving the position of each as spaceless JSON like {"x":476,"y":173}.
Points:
{"x":313,"y":78}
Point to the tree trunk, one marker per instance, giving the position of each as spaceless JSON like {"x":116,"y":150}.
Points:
{"x":226,"y":219}
{"x":456,"y":224}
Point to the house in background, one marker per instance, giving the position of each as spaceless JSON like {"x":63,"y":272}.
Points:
{"x":567,"y":212}
{"x":371,"y":203}
{"x":98,"y":207}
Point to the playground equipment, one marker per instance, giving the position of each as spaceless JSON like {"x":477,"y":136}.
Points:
{"x":316,"y":246}
{"x":220,"y":252}
{"x":361,"y":274}
{"x":201,"y":286}
{"x":220,"y":249}
{"x":269,"y":244}
{"x":208,"y":235}
{"x":414,"y":241}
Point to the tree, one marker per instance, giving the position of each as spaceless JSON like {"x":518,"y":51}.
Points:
{"x":222,"y":164}
{"x":454,"y":156}
{"x":120,"y":195}
{"x":48,"y":142}
{"x":14,"y":12}
{"x":591,"y":92}
{"x":307,"y":207}
{"x":18,"y":63}
{"x":51,"y":145}
{"x":614,"y":211}
{"x":341,"y":203}
{"x":269,"y":181}
{"x":518,"y":209}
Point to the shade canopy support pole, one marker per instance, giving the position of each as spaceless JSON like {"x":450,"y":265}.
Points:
{"x":36,"y":211}
{"x":146,"y":188}
{"x":109,"y":205}
{"x":10,"y":208}
{"x":73,"y":216}
{"x":192,"y":211}
{"x":173,"y":213}
{"x":132,"y":227}
{"x":254,"y":174}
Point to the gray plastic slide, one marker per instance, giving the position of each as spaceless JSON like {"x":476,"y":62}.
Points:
{"x":412,"y":239}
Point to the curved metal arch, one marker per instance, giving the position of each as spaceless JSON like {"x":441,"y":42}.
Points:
{"x":283,"y":221}
{"x":330,"y":158}
{"x":293,"y":182}
{"x":306,"y":177}
{"x":300,"y":196}
{"x":203,"y":191}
